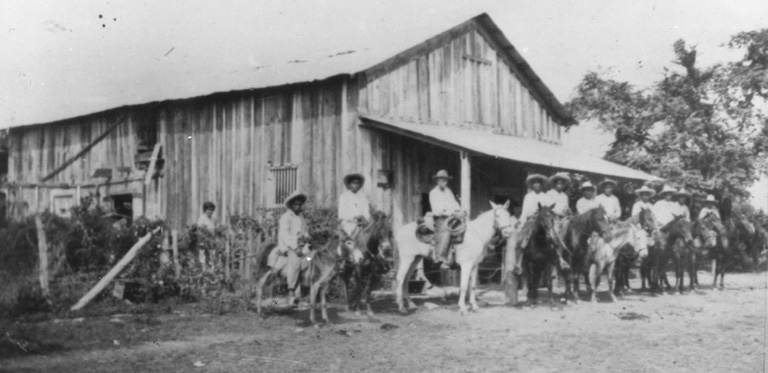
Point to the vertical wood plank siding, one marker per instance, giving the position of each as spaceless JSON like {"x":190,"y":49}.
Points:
{"x":466,"y":82}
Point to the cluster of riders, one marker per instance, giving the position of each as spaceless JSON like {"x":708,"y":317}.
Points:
{"x":548,"y":239}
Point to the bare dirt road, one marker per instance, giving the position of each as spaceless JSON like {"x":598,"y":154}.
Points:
{"x":703,"y":331}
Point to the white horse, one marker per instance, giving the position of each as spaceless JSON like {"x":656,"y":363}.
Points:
{"x":602,"y":255}
{"x":468,"y":253}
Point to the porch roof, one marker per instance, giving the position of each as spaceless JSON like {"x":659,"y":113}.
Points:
{"x":525,"y":150}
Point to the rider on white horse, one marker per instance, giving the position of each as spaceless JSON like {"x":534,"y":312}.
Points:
{"x":444,"y":205}
{"x":644,"y":202}
{"x":291,"y":232}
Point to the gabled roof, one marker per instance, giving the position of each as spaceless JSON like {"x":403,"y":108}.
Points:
{"x":369,"y":60}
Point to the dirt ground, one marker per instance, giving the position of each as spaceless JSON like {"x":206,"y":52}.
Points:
{"x":703,"y":331}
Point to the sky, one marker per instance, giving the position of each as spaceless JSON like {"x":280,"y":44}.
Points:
{"x":62,"y":59}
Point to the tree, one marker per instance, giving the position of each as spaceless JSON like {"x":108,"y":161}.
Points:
{"x":700,"y":127}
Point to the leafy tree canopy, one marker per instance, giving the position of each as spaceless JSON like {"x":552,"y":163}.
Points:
{"x":702,"y":127}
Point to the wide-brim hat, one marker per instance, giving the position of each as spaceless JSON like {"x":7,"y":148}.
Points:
{"x":536,"y":177}
{"x":560,"y":176}
{"x":587,"y":185}
{"x":442,"y":174}
{"x":348,"y":179}
{"x":667,"y":189}
{"x":683,"y":193}
{"x":607,"y":182}
{"x":645,"y":189}
{"x":710,"y":199}
{"x":295,"y":196}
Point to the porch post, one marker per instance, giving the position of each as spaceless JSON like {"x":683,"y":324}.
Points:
{"x":466,"y":196}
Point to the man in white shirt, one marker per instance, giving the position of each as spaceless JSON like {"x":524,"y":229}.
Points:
{"x":587,"y":202}
{"x":709,"y":207}
{"x":444,"y":205}
{"x":557,"y":195}
{"x":354,"y":205}
{"x":291,"y":236}
{"x":683,"y":197}
{"x":536,"y":184}
{"x":665,"y":209}
{"x":609,"y":201}
{"x":644,"y":202}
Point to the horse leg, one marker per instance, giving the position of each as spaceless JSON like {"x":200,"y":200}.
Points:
{"x":260,"y":290}
{"x":313,"y":301}
{"x":465,"y":276}
{"x":594,"y":277}
{"x":323,"y":302}
{"x":550,"y":283}
{"x":533,"y":283}
{"x":613,"y":289}
{"x":692,"y":271}
{"x":403,"y":273}
{"x":472,"y":294}
{"x":366,"y":296}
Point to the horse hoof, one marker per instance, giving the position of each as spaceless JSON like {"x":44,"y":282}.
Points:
{"x":402,"y":311}
{"x":316,"y":325}
{"x":370,"y":314}
{"x":463,"y":312}
{"x":357,"y":313}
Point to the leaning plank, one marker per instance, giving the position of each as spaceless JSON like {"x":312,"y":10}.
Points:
{"x":114,"y":271}
{"x":42,"y":252}
{"x":152,"y":163}
{"x":85,"y":150}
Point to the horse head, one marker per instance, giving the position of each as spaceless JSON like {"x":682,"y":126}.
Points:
{"x":502,"y":219}
{"x":647,"y":220}
{"x":598,"y":222}
{"x":545,"y":218}
{"x":681,"y":227}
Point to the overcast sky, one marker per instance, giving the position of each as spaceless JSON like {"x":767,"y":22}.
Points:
{"x":61,"y":57}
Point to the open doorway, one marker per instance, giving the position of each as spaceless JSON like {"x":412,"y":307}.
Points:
{"x":123,"y":207}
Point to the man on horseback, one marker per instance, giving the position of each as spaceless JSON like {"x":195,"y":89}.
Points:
{"x":644,"y":202}
{"x":709,"y":207}
{"x":587,"y":202}
{"x":665,"y":209}
{"x":557,"y":195}
{"x":531,"y":203}
{"x":354,"y":205}
{"x":291,"y":236}
{"x":444,"y":205}
{"x":683,"y":197}
{"x":609,"y":201}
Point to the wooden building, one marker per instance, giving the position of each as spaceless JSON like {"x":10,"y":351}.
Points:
{"x":464,"y":101}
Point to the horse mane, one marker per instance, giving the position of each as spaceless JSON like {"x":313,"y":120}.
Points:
{"x":583,"y":222}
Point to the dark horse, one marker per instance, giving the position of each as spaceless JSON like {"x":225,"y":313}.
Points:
{"x":539,"y":252}
{"x":361,"y":275}
{"x":575,"y":237}
{"x":678,"y":246}
{"x":715,"y":237}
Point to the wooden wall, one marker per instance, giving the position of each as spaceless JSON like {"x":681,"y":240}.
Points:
{"x":465,"y":82}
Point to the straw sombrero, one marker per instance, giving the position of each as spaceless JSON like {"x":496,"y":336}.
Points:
{"x":607,"y":182}
{"x":710,"y":199}
{"x":683,"y":193}
{"x":667,"y":189}
{"x":587,"y":185}
{"x":295,"y":196}
{"x":560,"y":176}
{"x":645,"y":189}
{"x":442,"y":174}
{"x":536,"y":177}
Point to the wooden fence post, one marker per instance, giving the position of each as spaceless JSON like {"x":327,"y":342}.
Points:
{"x":175,"y":248}
{"x":510,"y":278}
{"x":164,"y":257}
{"x":42,"y":254}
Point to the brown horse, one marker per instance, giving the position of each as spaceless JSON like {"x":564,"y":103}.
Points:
{"x":575,"y":237}
{"x":539,"y":253}
{"x":677,"y":247}
{"x":360,"y":277}
{"x":716,"y":237}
